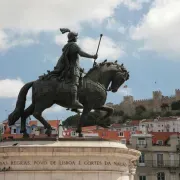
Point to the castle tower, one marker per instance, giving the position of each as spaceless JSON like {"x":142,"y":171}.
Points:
{"x":128,"y":99}
{"x":157,"y":98}
{"x":127,"y":105}
{"x":177,"y":94}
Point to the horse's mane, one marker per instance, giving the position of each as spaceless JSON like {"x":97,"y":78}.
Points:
{"x":105,"y":63}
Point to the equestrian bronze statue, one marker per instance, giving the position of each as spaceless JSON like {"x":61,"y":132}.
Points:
{"x":66,"y":86}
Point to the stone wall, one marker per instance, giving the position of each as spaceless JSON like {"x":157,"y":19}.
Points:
{"x":128,"y":105}
{"x":67,"y":160}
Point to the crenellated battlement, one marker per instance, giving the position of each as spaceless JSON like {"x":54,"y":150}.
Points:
{"x":141,"y":100}
{"x":128,"y":104}
{"x":157,"y":92}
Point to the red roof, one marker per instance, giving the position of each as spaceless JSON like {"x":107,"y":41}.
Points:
{"x":162,"y":136}
{"x":53,"y":123}
{"x":134,"y":122}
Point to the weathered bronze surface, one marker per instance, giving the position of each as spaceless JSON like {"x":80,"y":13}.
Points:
{"x":66,"y":86}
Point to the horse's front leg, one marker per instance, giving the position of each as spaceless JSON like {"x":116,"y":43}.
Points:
{"x":83,"y":118}
{"x":109,"y":111}
{"x":26,"y":114}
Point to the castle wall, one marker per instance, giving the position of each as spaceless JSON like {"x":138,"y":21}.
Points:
{"x":128,"y":105}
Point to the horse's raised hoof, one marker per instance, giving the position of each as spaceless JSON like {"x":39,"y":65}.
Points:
{"x":25,"y":135}
{"x":48,"y":132}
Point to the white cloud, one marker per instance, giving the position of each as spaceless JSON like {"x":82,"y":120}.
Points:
{"x":113,"y":24}
{"x":125,"y":91}
{"x":108,"y":48}
{"x":45,"y":15}
{"x":122,"y":29}
{"x":134,"y":4}
{"x":61,"y":39}
{"x":9,"y":88}
{"x":160,"y":28}
{"x":10,"y":40}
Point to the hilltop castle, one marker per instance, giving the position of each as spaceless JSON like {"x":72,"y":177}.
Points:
{"x":128,"y":104}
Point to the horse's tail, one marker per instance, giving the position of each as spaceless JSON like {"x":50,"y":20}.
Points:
{"x":20,"y":104}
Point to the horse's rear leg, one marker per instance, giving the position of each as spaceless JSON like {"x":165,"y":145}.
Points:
{"x":83,"y":119}
{"x":39,"y":108}
{"x":26,"y":114}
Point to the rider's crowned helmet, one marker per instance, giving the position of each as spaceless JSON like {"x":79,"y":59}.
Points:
{"x":72,"y":35}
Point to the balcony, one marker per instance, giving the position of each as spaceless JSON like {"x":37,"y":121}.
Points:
{"x":140,"y":146}
{"x":160,"y":164}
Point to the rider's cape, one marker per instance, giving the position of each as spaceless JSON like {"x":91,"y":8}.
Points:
{"x":63,"y":65}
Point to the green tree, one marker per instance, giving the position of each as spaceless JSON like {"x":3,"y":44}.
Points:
{"x":175,"y":105}
{"x":164,"y":107}
{"x":140,"y":109}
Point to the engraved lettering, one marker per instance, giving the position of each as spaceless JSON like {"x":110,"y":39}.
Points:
{"x":20,"y":163}
{"x":52,"y":162}
{"x":107,"y":163}
{"x":92,"y":163}
{"x":40,"y":162}
{"x":119,"y":163}
{"x":66,"y":162}
{"x":3,"y":163}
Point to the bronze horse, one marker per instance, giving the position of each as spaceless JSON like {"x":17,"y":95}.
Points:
{"x":92,"y":94}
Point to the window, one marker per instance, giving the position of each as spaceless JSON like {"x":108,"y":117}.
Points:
{"x":142,"y":177}
{"x":141,"y":141}
{"x":160,"y":142}
{"x":123,"y":141}
{"x":160,"y":160}
{"x":173,"y":176}
{"x":14,"y":131}
{"x":160,"y":176}
{"x":173,"y":129}
{"x":73,"y":133}
{"x":142,"y":158}
{"x":178,"y":141}
{"x":121,"y":134}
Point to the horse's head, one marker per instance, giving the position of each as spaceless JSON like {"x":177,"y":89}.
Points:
{"x":120,"y":75}
{"x":109,"y":72}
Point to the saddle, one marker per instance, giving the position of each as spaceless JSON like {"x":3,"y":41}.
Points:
{"x":53,"y":75}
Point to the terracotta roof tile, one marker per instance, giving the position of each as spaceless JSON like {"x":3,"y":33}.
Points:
{"x":53,"y":123}
{"x":162,"y":135}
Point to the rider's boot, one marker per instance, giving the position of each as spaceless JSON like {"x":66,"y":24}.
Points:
{"x":75,"y":103}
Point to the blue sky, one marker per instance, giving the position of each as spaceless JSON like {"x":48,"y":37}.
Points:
{"x":142,"y":34}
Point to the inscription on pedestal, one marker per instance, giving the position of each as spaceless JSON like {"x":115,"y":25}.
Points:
{"x":59,"y":162}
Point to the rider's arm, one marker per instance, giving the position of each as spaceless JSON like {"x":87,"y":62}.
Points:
{"x":84,"y":54}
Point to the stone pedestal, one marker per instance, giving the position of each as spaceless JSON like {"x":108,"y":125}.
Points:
{"x":77,"y":159}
